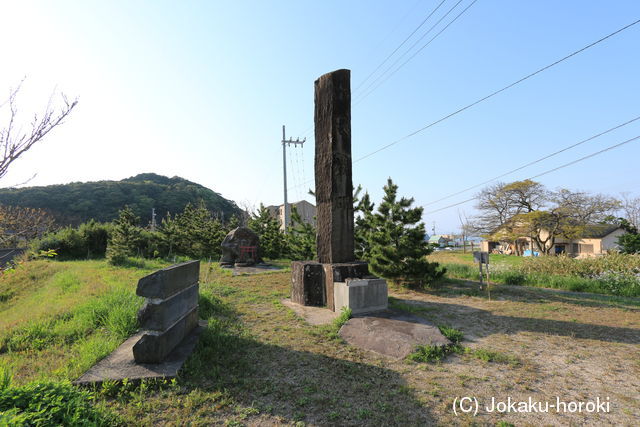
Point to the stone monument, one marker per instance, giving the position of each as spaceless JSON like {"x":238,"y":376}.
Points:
{"x":241,"y":248}
{"x":336,"y":280}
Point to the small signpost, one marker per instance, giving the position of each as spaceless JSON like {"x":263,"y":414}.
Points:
{"x":483,"y":258}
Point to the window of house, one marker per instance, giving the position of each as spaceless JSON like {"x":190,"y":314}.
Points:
{"x":586,"y":249}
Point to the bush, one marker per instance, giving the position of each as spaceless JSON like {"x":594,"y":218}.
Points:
{"x":89,"y":240}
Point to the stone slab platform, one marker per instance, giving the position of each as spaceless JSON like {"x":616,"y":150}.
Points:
{"x":120,"y":364}
{"x":312,"y":315}
{"x":391,"y":333}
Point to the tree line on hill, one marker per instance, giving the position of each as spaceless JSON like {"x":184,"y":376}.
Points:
{"x":78,"y":202}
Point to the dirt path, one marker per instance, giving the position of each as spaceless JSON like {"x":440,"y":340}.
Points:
{"x":571,"y":346}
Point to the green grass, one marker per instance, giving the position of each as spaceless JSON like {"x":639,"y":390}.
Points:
{"x":71,"y":313}
{"x":435,"y":353}
{"x":49,"y":404}
{"x":491,"y":356}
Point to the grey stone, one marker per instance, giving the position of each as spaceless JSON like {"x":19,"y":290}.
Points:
{"x":312,"y":315}
{"x":361,"y":295}
{"x":160,"y":315}
{"x":340,"y":272}
{"x":391,"y":333}
{"x":334,"y":188}
{"x":232,"y":252}
{"x":169,"y":281}
{"x":307,"y":283}
{"x":120,"y":364}
{"x":154,"y":347}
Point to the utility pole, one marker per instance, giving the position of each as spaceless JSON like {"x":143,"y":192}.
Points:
{"x":153,"y":219}
{"x":288,"y":142}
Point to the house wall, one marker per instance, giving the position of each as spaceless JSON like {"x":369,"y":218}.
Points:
{"x":306,"y":210}
{"x":610,"y":241}
{"x":600,"y":245}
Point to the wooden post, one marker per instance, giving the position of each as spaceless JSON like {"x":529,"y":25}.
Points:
{"x":334,"y":188}
{"x":488,"y":280}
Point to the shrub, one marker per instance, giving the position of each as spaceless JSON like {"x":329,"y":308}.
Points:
{"x":89,"y":240}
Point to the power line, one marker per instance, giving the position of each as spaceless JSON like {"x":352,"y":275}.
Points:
{"x":497,"y":91}
{"x":535,"y":161}
{"x":550,"y":170}
{"x":400,"y":45}
{"x":382,"y":76}
{"x":306,"y":131}
{"x":587,"y":157}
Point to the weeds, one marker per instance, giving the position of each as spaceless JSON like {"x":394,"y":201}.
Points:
{"x":50,"y":403}
{"x":491,"y":356}
{"x":612,"y":274}
{"x":435,"y":353}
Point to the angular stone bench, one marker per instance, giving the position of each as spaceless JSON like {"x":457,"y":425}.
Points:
{"x":170,"y":328}
{"x":170,"y":312}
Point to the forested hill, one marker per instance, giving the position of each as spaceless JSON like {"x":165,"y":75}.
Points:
{"x":80,"y":201}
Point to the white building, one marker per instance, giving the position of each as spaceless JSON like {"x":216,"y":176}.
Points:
{"x":306,"y":210}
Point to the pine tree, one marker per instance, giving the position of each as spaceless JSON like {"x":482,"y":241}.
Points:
{"x":125,"y":237}
{"x":233,"y":223}
{"x":272,"y":240}
{"x":301,"y":239}
{"x":170,"y":234}
{"x":198,"y":234}
{"x":396,"y":238}
{"x":362,"y":224}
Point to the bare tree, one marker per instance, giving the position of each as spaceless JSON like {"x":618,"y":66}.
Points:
{"x":19,"y":225}
{"x":14,"y":141}
{"x":631,"y":208}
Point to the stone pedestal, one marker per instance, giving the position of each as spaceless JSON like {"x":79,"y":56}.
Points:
{"x":313,"y":284}
{"x":308,"y":283}
{"x":361,"y":295}
{"x":339,"y":272}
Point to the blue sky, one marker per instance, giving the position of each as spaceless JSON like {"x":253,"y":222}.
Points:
{"x":202,"y":89}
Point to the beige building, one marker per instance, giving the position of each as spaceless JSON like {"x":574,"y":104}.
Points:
{"x":306,"y":210}
{"x":595,"y":240}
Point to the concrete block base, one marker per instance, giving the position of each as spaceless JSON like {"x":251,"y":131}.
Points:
{"x":307,"y":283}
{"x":361,"y":295}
